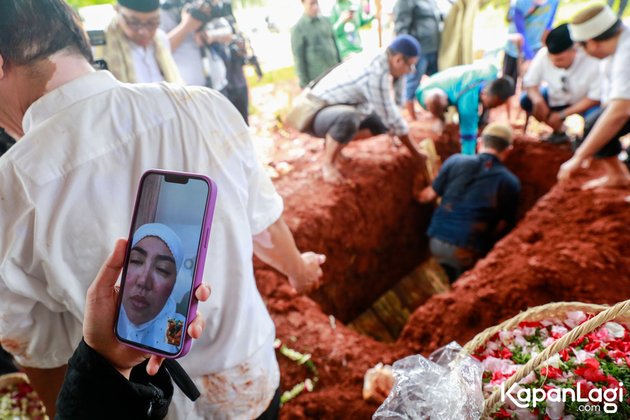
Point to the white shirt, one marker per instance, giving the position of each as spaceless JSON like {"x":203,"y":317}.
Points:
{"x":565,"y":86}
{"x":67,"y":191}
{"x":144,"y":62}
{"x":616,"y":70}
{"x":188,"y":56}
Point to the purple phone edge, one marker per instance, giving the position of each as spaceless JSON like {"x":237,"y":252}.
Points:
{"x":206,"y":228}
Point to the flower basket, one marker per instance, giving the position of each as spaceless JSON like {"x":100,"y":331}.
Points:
{"x":600,"y":315}
{"x":18,"y":400}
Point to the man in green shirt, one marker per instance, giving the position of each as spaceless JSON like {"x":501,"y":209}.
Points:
{"x":313,"y":44}
{"x":347,"y":17}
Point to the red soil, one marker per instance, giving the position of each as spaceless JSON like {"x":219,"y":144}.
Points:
{"x":572,"y":246}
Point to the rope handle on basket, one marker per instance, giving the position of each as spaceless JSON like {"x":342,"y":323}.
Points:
{"x":577,"y":332}
{"x":532,"y":314}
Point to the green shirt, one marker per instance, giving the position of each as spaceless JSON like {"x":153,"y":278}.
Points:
{"x":314,"y":48}
{"x":347,"y":33}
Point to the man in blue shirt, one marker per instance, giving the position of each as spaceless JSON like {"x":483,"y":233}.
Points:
{"x":529,"y":19}
{"x":479,"y":202}
{"x":470,"y":88}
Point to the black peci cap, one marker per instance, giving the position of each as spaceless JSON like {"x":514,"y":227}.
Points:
{"x":141,"y":5}
{"x":559,"y":39}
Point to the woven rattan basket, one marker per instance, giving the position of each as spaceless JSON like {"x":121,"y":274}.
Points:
{"x":12,"y":379}
{"x":620,"y":311}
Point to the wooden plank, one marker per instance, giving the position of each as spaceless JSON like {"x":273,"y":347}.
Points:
{"x":388,"y":315}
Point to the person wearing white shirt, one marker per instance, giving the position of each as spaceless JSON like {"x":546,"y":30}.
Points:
{"x":561,"y":81}
{"x":136,"y":51}
{"x":604,"y":36}
{"x":190,"y":38}
{"x":68,"y":187}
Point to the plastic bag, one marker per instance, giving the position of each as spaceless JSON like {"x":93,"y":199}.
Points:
{"x":443,"y":387}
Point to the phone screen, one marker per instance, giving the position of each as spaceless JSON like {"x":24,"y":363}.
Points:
{"x":168,"y":234}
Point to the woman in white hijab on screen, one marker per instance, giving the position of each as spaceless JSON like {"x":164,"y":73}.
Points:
{"x":148,"y":310}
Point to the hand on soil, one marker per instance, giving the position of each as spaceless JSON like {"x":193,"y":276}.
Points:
{"x":568,"y":168}
{"x":309,"y":279}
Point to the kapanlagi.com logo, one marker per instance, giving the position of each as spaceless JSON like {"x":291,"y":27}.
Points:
{"x":532,"y":397}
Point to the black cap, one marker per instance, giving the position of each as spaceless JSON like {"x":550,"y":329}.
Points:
{"x":140,"y":5}
{"x":559,"y":39}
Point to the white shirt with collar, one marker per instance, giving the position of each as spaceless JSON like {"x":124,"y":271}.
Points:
{"x":67,"y":191}
{"x":144,"y":62}
{"x":565,"y":86}
{"x":616,"y":70}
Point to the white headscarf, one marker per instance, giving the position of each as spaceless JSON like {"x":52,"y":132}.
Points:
{"x":166,"y":234}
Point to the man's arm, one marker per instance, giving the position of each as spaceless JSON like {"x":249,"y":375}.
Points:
{"x":179,"y":33}
{"x":556,"y":118}
{"x":380,"y":96}
{"x":579,"y":107}
{"x":428,"y":195}
{"x":519,"y":22}
{"x":338,"y":21}
{"x":299,"y":56}
{"x":276,"y":247}
{"x":439,"y":184}
{"x":403,"y":17}
{"x":611,"y":121}
{"x":47,"y":383}
{"x":219,"y":30}
{"x":404,"y":138}
{"x":540,"y":109}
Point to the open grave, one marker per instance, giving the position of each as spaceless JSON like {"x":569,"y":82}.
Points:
{"x":569,"y":245}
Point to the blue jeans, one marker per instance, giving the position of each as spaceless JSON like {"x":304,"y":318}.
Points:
{"x":426,"y":65}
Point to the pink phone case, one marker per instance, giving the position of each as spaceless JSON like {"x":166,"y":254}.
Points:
{"x":197,"y":270}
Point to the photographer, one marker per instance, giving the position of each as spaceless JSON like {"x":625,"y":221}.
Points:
{"x":208,"y":49}
{"x":190,"y":39}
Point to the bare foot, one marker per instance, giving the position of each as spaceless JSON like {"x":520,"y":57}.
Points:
{"x":606,"y":182}
{"x":343,"y":157}
{"x":395,"y":141}
{"x":332,"y":174}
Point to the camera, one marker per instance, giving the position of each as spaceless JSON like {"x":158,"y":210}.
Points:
{"x":202,"y":10}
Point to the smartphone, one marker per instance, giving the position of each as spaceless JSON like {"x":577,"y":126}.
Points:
{"x":164,"y":261}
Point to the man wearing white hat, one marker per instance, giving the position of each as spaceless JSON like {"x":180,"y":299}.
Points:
{"x":604,"y":36}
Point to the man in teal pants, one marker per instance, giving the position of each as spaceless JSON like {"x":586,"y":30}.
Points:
{"x":473,"y":89}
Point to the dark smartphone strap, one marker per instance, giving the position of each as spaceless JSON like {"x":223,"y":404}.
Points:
{"x":181,"y":379}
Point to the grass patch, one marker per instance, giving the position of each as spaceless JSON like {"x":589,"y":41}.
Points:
{"x":274,"y":76}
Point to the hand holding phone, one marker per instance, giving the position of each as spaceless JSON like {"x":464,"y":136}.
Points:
{"x":100,"y":312}
{"x":164,"y":261}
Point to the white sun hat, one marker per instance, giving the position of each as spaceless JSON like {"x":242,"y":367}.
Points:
{"x":595,"y":26}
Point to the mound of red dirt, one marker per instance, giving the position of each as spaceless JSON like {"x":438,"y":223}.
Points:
{"x":571,"y":246}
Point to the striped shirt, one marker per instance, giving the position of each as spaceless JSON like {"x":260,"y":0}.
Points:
{"x":365,"y":81}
